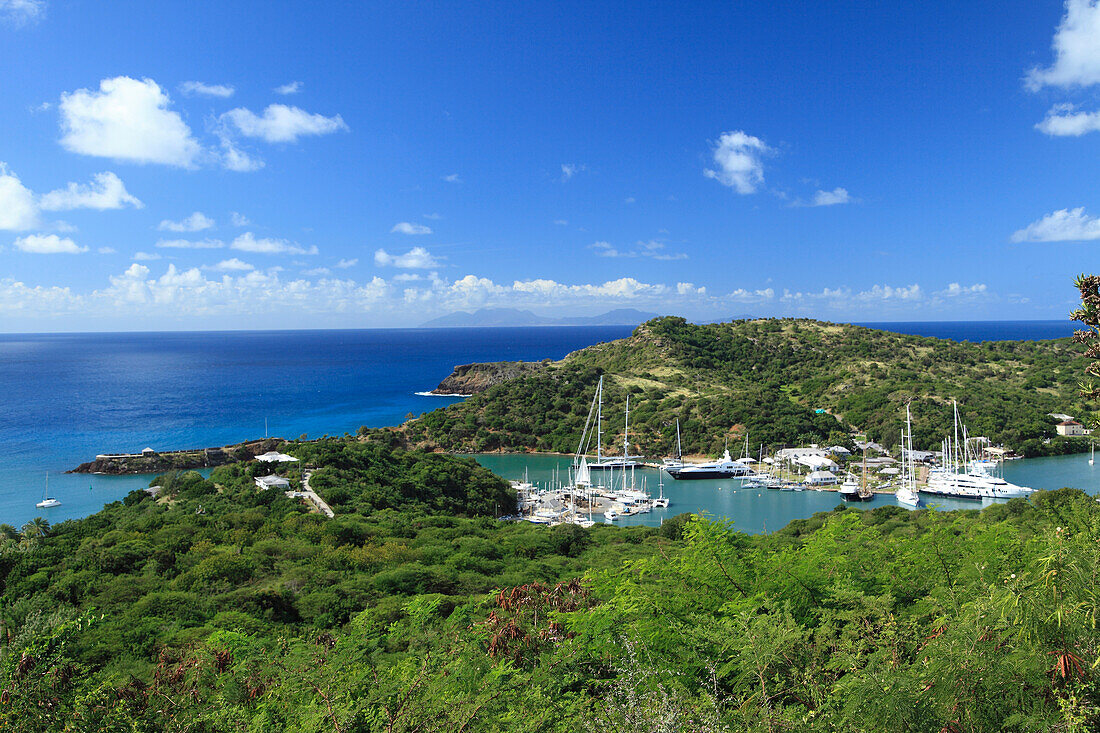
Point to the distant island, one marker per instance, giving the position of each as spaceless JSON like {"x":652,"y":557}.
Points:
{"x":502,"y":317}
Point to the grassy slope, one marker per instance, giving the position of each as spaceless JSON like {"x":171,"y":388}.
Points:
{"x":768,"y":377}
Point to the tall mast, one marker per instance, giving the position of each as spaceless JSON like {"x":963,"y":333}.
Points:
{"x":679,"y":452}
{"x":626,"y":429}
{"x":599,"y":420}
{"x":955,"y":447}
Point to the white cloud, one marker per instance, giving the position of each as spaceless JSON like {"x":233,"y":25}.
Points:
{"x":238,"y":220}
{"x":237,"y":160}
{"x":407,"y":277}
{"x":1076,"y":48}
{"x":208,"y":90}
{"x":194,"y":223}
{"x":1064,"y":121}
{"x":886,"y":292}
{"x":561,"y":222}
{"x":105,"y":192}
{"x":18,"y":210}
{"x":41,"y":107}
{"x":48,"y":244}
{"x":690,"y":289}
{"x":568,"y":170}
{"x":292,"y":87}
{"x":452,"y":178}
{"x":317,"y":271}
{"x":19,"y":12}
{"x":191,"y":244}
{"x":404,"y":227}
{"x":127,"y":120}
{"x":416,"y":258}
{"x":433,"y":217}
{"x":230,"y":265}
{"x":831,"y":198}
{"x":630,"y":200}
{"x":188,"y":292}
{"x":107,"y":251}
{"x":145,"y":256}
{"x":282,"y":124}
{"x":344,"y":264}
{"x":653,"y":249}
{"x":739,"y":160}
{"x":248,"y":243}
{"x":955,"y":290}
{"x":1064,"y":225}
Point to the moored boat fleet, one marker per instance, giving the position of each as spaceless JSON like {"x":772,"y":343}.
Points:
{"x":607,"y":488}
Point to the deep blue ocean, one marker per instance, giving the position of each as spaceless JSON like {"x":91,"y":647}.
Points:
{"x":68,"y":397}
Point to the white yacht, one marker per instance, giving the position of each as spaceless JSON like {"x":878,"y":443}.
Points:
{"x":48,"y":502}
{"x":963,"y":477}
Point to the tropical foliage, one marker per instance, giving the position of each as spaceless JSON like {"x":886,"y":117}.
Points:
{"x":220,"y":607}
{"x":781,"y":382}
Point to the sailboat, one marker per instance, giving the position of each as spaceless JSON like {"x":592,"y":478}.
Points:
{"x":625,"y":460}
{"x":907,"y":492}
{"x":1092,"y":453}
{"x":962,"y":476}
{"x":661,"y":502}
{"x":48,"y":502}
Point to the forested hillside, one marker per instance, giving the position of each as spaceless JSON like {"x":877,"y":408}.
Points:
{"x":770,"y":378}
{"x":219,"y":607}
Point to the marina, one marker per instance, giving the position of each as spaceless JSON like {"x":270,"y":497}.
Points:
{"x":754,"y":510}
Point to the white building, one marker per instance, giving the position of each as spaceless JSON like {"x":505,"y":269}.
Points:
{"x":821,"y":478}
{"x":1070,"y":428}
{"x":275,"y":457}
{"x":273,"y":482}
{"x":813,"y":458}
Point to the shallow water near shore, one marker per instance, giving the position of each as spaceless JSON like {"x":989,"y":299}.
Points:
{"x":68,"y":397}
{"x":764,"y":510}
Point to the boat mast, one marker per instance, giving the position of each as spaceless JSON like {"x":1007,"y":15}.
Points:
{"x":599,"y":419}
{"x":679,"y":452}
{"x":955,"y":447}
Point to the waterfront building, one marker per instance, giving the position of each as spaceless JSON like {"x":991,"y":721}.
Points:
{"x":1071,"y":428}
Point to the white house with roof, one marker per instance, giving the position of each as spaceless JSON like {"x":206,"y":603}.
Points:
{"x":273,"y":482}
{"x":813,"y":458}
{"x":275,"y":457}
{"x":1071,"y":429}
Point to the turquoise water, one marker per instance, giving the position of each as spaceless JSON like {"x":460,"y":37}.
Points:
{"x":752,"y":510}
{"x":68,"y":397}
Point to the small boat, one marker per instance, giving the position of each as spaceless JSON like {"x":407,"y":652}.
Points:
{"x":906,"y":493}
{"x":611,"y":515}
{"x":48,"y":502}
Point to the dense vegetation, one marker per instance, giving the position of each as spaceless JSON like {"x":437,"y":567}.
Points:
{"x":770,"y":378}
{"x":216,"y":606}
{"x":219,"y":607}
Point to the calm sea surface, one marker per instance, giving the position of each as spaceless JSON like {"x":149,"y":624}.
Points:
{"x":68,"y":397}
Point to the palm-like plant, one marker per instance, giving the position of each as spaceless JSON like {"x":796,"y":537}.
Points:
{"x":37,"y":527}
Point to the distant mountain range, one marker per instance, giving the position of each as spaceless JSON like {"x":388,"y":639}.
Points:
{"x":498,"y":317}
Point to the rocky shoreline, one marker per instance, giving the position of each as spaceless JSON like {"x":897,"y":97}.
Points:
{"x":469,"y":379}
{"x":156,"y":462}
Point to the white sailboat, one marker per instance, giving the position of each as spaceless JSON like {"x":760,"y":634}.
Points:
{"x":907,"y":492}
{"x":48,"y":502}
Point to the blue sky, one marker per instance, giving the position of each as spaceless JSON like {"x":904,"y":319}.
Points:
{"x":223,"y":165}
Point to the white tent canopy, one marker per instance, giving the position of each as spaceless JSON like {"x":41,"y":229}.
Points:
{"x":275,"y":457}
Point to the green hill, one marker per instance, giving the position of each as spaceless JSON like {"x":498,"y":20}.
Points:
{"x":783,"y":381}
{"x":219,"y":607}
